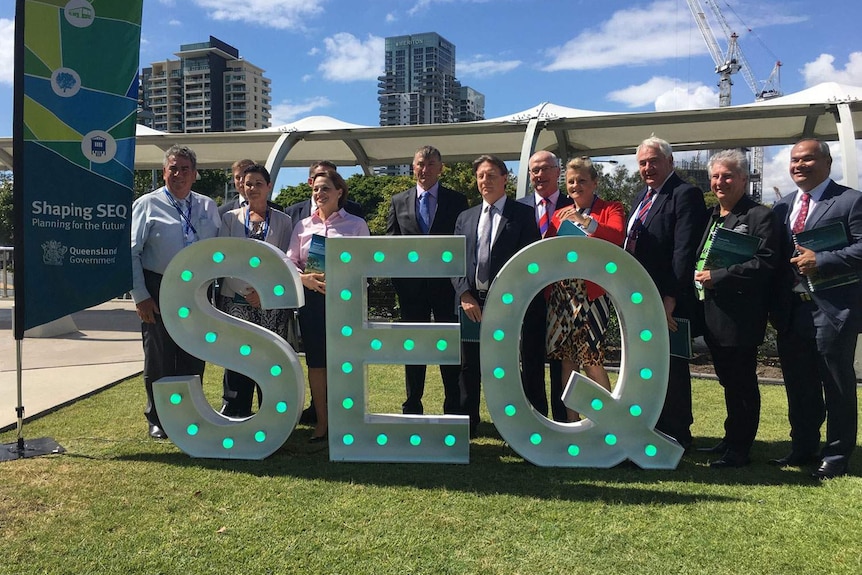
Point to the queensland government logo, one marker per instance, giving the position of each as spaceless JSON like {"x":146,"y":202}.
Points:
{"x":53,"y":253}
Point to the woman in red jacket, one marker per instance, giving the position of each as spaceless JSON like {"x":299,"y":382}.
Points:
{"x":578,"y":309}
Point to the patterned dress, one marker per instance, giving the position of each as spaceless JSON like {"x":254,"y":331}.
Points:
{"x":569,"y":325}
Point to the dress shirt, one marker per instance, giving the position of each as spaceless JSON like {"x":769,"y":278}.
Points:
{"x":815,"y":194}
{"x":634,"y":214}
{"x":551,"y":205}
{"x":338,"y":224}
{"x":495,"y":225}
{"x":157,"y":233}
{"x":432,"y":200}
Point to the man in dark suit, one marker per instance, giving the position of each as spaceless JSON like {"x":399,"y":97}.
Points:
{"x":735,"y":302}
{"x":505,"y":226}
{"x":663,"y":232}
{"x":817,"y":329}
{"x":301,"y":210}
{"x":545,"y":200}
{"x":427,"y":208}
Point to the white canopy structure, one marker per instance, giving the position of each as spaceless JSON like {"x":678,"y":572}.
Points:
{"x":828,"y":111}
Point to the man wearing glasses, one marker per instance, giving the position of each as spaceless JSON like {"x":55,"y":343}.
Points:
{"x":545,"y":200}
{"x":165,"y":221}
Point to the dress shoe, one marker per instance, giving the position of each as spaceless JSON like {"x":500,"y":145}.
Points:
{"x":730,"y":459}
{"x":157,"y":432}
{"x":309,"y":415}
{"x":793,"y":459}
{"x":830,"y":470}
{"x":318,"y":438}
{"x":719,"y":447}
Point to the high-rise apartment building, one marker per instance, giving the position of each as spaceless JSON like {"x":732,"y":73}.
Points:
{"x":419,"y":86}
{"x":209,"y":89}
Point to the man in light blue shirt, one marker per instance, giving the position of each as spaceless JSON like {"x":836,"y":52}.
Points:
{"x":165,"y":221}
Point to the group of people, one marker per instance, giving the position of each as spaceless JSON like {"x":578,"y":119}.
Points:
{"x":669,"y":230}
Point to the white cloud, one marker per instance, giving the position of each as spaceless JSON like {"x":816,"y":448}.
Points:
{"x":423,"y":4}
{"x":281,"y":14}
{"x":287,"y":111}
{"x":480,"y":68}
{"x":632,"y":36}
{"x":666,"y":94}
{"x":349,"y":59}
{"x":823,"y":70}
{"x":687,"y":98}
{"x":175,"y":23}
{"x":314,"y":51}
{"x":391,"y":17}
{"x":7,"y":51}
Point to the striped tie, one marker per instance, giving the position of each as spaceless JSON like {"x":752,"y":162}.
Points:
{"x":544,"y":218}
{"x":638,"y":224}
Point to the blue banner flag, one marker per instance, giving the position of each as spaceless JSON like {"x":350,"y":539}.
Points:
{"x":76,"y":96}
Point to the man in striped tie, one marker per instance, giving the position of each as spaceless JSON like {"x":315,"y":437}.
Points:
{"x":545,"y":200}
{"x":664,"y":230}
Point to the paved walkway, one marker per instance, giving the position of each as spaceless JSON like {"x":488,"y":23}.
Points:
{"x":105,"y":349}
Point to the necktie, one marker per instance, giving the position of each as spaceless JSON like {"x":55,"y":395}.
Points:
{"x":424,"y":213}
{"x":799,"y":224}
{"x":638,"y":224}
{"x":483,"y":250}
{"x":544,"y":216}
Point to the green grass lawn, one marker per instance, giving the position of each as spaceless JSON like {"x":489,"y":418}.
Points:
{"x":118,"y":502}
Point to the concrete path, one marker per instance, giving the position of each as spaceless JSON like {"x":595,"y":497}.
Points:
{"x":105,"y":349}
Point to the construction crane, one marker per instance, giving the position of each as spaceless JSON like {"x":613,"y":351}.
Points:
{"x":729,"y":63}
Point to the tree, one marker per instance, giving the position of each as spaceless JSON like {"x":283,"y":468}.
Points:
{"x":210,"y":182}
{"x":619,"y":185}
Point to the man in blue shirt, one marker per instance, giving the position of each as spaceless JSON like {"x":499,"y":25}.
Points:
{"x":165,"y":221}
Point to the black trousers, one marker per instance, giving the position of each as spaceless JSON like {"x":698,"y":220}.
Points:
{"x":676,"y":416}
{"x":162,"y":356}
{"x":820,"y":383}
{"x":532,"y":350}
{"x":418,"y":308}
{"x":736,"y":368}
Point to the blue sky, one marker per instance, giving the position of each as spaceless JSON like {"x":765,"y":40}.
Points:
{"x":323,"y":56}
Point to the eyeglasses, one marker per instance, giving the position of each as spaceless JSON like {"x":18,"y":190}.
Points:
{"x":539,"y":169}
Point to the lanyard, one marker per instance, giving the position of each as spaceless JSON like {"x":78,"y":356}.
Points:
{"x":189,"y":231}
{"x":261,"y":235}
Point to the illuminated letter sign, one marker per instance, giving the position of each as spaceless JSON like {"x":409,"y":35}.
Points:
{"x":354,"y":434}
{"x":620,"y":424}
{"x":209,"y":334}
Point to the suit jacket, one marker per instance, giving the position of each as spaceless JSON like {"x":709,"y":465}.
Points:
{"x":667,"y":243}
{"x":735,"y":308}
{"x":610,"y":218}
{"x":563,"y":200}
{"x":301,"y":210}
{"x":517,"y":229}
{"x":402,"y":222}
{"x":838,"y":307}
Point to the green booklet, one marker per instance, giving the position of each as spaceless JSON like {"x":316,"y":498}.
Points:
{"x":826,"y":238}
{"x":680,"y":340}
{"x":469,"y":328}
{"x":316,"y":260}
{"x":730,"y":248}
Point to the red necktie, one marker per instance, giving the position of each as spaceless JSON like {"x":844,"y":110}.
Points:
{"x":544,"y":218}
{"x":799,"y":224}
{"x":638,"y":224}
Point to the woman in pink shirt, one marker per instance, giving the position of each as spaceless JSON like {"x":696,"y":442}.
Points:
{"x":329,"y":219}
